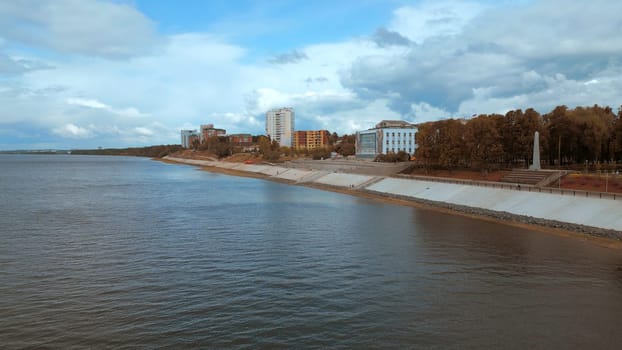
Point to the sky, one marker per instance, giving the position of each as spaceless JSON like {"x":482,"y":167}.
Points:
{"x":122,"y":73}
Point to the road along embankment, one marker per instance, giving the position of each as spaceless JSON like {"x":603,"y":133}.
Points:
{"x":594,"y":216}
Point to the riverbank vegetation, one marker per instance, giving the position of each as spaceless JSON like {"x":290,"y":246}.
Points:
{"x":572,"y":138}
{"x":158,"y":151}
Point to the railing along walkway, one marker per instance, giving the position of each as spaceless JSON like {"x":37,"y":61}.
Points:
{"x":515,"y":187}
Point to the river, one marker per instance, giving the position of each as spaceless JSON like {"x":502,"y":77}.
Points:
{"x":120,"y":252}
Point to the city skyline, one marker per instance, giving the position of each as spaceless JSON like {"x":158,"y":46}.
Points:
{"x":83,"y":74}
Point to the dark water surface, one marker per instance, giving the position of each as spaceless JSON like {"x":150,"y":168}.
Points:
{"x":114,"y":252}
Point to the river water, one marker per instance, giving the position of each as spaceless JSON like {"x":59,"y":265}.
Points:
{"x":116,"y":252}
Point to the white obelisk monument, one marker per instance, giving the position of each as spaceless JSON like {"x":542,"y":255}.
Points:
{"x":536,"y":152}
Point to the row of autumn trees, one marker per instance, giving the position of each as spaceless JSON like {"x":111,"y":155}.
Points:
{"x":567,"y":136}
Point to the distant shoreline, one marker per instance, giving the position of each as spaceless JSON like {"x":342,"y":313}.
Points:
{"x":601,"y":237}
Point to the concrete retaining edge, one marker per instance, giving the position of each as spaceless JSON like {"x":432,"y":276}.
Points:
{"x":314,"y":175}
{"x":508,"y":217}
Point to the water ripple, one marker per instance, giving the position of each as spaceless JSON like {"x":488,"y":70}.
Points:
{"x":113,"y":252}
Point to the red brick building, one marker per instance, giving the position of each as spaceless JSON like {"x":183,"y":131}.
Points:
{"x":208,"y":130}
{"x":243,"y":140}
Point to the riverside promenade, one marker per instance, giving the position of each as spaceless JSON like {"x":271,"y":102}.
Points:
{"x":594,"y":216}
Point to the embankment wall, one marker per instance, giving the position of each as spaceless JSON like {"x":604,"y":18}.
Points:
{"x":602,"y":217}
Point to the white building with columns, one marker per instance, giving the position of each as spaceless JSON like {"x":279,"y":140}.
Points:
{"x":388,"y":136}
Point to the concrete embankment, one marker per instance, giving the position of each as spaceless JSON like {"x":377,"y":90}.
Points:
{"x":293,"y":175}
{"x":589,"y":215}
{"x":600,"y":217}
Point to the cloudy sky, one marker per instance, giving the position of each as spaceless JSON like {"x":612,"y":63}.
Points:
{"x":87,"y":73}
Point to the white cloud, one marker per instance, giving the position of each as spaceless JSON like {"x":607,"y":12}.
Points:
{"x":88,"y":27}
{"x":433,"y":60}
{"x":10,"y":65}
{"x":559,"y":91}
{"x":95,"y":104}
{"x":424,"y":112}
{"x":143,"y":131}
{"x":551,"y":29}
{"x":489,"y":58}
{"x":73,"y":131}
{"x":356,"y":119}
{"x":434,"y":18}
{"x":198,"y":78}
{"x":90,"y":103}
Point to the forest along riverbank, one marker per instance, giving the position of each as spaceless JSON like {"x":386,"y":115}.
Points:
{"x":587,"y":217}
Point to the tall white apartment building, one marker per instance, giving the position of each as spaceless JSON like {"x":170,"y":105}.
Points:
{"x":280,"y":125}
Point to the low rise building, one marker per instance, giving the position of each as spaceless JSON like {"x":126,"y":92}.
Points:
{"x":243,"y":140}
{"x":310,"y":139}
{"x":387,"y":136}
{"x":208,"y":130}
